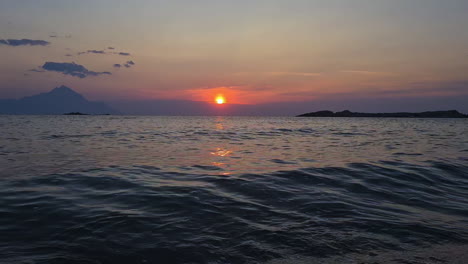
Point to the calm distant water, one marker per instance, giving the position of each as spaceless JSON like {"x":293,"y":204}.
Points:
{"x":117,"y":189}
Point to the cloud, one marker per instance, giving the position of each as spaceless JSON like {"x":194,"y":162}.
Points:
{"x":71,"y":69}
{"x":92,"y":52}
{"x":459,"y":87}
{"x":104,"y":52}
{"x":375,"y":73}
{"x":129,"y":64}
{"x":96,"y":51}
{"x":301,"y":74}
{"x":54,"y":35}
{"x":304,"y":74}
{"x":23,"y":42}
{"x":36,"y":70}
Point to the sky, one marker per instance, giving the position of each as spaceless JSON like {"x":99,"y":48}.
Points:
{"x":316,"y":54}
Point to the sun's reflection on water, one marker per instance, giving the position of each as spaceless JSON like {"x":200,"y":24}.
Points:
{"x":220,"y":152}
{"x":219,"y":126}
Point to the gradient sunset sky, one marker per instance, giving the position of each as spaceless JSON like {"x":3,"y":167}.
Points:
{"x":253,"y":52}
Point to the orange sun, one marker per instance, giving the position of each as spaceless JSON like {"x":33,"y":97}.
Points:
{"x":220,"y":99}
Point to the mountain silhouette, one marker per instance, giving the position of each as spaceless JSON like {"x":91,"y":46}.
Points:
{"x":60,"y":100}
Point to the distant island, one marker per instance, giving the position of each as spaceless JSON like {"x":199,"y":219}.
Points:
{"x":347,"y":113}
{"x":75,"y":113}
{"x":58,"y":101}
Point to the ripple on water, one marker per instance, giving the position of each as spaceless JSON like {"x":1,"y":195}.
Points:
{"x":229,"y":190}
{"x":142,"y":213}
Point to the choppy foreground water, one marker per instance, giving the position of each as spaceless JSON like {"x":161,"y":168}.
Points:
{"x":104,"y":189}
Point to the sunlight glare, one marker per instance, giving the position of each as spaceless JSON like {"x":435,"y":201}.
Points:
{"x":220,"y":99}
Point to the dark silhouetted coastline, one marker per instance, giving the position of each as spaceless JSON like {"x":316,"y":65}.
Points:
{"x":75,"y":113}
{"x":428,"y":114}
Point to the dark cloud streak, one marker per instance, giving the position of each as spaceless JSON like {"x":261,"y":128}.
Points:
{"x":92,"y":52}
{"x":54,"y":35}
{"x":97,"y":51}
{"x":23,"y":42}
{"x":36,"y":70}
{"x":129,"y":64}
{"x":71,"y":69}
{"x":104,"y":52}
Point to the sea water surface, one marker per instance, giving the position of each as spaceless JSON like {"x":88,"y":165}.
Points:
{"x":123,"y":189}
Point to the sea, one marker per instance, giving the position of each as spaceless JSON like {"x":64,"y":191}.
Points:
{"x":153,"y":189}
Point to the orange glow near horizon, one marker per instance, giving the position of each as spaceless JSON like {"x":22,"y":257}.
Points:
{"x":234,"y":95}
{"x":238,"y":95}
{"x":220,"y":99}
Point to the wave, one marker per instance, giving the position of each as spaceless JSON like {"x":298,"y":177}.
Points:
{"x":144,"y":214}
